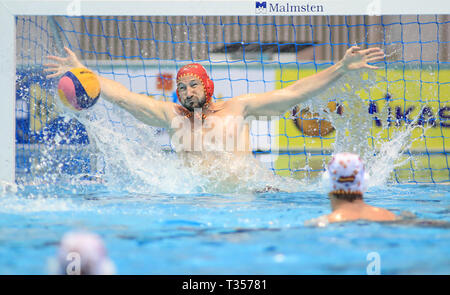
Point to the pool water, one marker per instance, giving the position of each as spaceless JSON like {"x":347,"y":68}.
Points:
{"x":225,"y":234}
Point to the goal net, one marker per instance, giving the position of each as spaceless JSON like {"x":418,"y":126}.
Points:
{"x":406,"y":99}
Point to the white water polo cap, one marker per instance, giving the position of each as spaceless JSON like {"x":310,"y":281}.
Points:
{"x":346,"y":173}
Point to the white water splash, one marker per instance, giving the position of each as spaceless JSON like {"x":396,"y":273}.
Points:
{"x":36,"y":203}
{"x":133,"y":158}
{"x":353,"y":128}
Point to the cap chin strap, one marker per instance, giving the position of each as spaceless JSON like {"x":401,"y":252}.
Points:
{"x":188,"y":114}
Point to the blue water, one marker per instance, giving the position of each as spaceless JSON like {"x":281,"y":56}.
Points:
{"x":224,"y":234}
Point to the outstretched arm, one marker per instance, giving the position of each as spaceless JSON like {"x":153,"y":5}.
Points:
{"x":142,"y":107}
{"x":275,"y":103}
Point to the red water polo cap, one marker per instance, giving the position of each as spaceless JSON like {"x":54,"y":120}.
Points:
{"x":199,"y":72}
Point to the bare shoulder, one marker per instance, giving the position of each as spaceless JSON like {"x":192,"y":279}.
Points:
{"x":367,"y":213}
{"x":242,"y":102}
{"x":333,"y":217}
{"x":241,"y":99}
{"x":170,"y":109}
{"x":236,"y":103}
{"x":377,"y":213}
{"x":179,"y":110}
{"x":218,"y":105}
{"x":340,"y":216}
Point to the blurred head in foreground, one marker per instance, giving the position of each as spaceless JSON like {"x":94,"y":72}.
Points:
{"x":83,"y":253}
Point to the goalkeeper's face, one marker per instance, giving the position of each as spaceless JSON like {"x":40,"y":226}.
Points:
{"x":191,"y":92}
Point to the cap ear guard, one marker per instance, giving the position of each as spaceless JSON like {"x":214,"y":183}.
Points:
{"x":209,"y":88}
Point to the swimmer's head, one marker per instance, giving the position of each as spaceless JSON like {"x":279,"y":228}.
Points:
{"x":346,"y":176}
{"x":194,"y":87}
{"x":89,"y":249}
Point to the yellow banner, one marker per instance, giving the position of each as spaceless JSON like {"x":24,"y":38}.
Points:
{"x":412,"y":93}
{"x":404,"y":95}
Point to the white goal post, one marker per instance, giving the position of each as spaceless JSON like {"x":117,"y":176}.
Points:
{"x":9,"y":9}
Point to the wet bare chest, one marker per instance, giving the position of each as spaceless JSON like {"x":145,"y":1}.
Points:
{"x":216,"y":132}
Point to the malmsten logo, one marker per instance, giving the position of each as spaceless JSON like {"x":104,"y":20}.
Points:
{"x":286,"y":7}
{"x":261,"y":7}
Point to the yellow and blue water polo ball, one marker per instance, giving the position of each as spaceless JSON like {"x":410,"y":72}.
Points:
{"x":79,"y":89}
